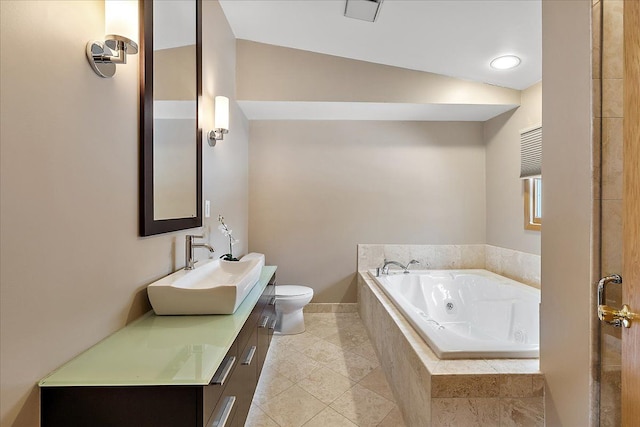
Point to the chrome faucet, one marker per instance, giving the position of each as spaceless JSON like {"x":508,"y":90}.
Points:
{"x":189,"y":247}
{"x":405,"y":268}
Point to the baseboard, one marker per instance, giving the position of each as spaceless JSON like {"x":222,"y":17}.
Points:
{"x":331,"y":308}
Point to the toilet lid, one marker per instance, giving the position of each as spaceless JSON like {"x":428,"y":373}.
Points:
{"x":292,"y":290}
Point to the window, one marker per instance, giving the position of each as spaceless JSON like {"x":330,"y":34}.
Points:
{"x":533,"y":204}
{"x":531,"y":174}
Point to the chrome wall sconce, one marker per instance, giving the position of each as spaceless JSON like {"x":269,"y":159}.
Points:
{"x":121,"y":27}
{"x":221,"y":120}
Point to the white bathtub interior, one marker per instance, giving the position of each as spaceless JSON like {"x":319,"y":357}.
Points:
{"x":464,"y":314}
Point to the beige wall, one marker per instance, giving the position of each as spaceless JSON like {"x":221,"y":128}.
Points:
{"x":505,"y":192}
{"x":73,"y":268}
{"x":173,"y":71}
{"x":319,"y":188}
{"x":273,"y":73}
{"x":566,"y":308}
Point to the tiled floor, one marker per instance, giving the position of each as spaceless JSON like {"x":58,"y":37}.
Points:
{"x":328,"y":376}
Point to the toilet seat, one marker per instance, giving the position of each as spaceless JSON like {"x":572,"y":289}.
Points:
{"x":292,"y":291}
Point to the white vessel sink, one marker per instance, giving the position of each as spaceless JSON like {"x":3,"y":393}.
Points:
{"x":212,"y":287}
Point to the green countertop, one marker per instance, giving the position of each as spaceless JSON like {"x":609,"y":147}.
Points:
{"x":160,"y":350}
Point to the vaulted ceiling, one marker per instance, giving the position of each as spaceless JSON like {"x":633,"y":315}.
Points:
{"x":456,"y":38}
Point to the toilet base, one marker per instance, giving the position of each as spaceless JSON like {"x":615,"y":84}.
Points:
{"x":290,"y":323}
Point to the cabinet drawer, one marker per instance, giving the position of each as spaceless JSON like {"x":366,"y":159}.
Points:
{"x":266,"y":299}
{"x":237,"y":393}
{"x":224,"y":414}
{"x":247,"y":330}
{"x":213,"y":391}
{"x":267,"y":296}
{"x":265,"y":332}
{"x":246,"y":377}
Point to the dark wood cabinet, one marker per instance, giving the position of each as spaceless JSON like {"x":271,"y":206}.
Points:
{"x":223,"y":402}
{"x":122,"y":406}
{"x":266,"y":326}
{"x":253,"y":343}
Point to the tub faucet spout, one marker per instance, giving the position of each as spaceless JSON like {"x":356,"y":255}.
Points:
{"x":189,"y":247}
{"x":405,"y":268}
{"x":413,"y":261}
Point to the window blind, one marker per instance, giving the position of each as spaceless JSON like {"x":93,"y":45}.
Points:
{"x":531,"y":152}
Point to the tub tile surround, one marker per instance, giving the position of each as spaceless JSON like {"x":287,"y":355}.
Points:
{"x":500,"y":392}
{"x":516,"y":265}
{"x":429,"y":256}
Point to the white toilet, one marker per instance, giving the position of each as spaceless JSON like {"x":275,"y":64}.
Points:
{"x":290,"y":300}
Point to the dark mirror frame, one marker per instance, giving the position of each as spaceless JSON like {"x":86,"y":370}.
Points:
{"x":148,"y":225}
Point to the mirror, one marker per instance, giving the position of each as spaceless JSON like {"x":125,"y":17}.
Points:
{"x":170,"y":87}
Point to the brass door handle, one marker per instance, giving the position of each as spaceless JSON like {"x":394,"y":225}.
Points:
{"x":610,"y":315}
{"x":622,"y":317}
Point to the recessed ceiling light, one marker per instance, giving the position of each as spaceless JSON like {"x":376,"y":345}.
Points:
{"x":505,"y":62}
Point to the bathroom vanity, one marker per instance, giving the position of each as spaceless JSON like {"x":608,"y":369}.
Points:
{"x":168,"y":371}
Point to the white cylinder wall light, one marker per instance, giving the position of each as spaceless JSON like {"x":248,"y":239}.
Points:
{"x":220,"y":120}
{"x":121,"y":29}
{"x":222,"y":113}
{"x":121,"y":18}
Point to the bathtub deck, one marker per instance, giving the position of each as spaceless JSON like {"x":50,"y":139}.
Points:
{"x":486,"y":392}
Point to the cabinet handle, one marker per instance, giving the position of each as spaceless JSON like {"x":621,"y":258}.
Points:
{"x":250,"y":353}
{"x":221,"y":376}
{"x":223,"y":418}
{"x":263,"y":322}
{"x":273,"y":324}
{"x":272,"y":301}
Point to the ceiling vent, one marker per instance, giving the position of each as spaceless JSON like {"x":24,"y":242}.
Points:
{"x":366,"y":10}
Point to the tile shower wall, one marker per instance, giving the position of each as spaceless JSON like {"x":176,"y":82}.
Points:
{"x":608,"y":83}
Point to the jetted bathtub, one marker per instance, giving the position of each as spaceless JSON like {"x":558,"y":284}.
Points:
{"x":466,"y":314}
